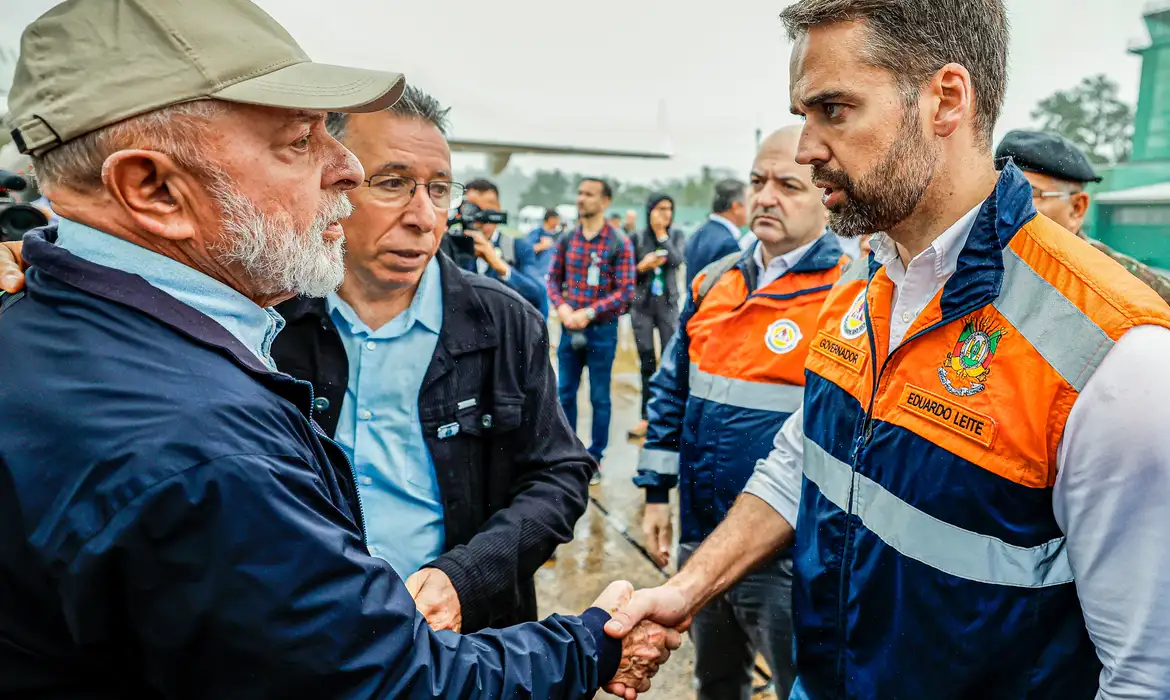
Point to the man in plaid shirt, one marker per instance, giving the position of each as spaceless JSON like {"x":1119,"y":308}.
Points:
{"x":590,"y":284}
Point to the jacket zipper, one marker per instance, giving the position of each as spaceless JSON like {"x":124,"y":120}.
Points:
{"x":357,"y":494}
{"x":858,"y":445}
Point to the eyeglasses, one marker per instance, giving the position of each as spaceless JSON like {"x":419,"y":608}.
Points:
{"x":399,"y":189}
{"x":1041,"y":194}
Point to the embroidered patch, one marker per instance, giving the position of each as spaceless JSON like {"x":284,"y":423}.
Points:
{"x":966,"y":367}
{"x":783,"y":336}
{"x":835,"y":350}
{"x":950,"y":415}
{"x":853,"y":325}
{"x":448,"y":431}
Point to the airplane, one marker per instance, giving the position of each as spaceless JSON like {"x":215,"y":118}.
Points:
{"x":500,"y":152}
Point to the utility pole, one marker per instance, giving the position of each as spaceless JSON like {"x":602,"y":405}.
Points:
{"x":758,"y":135}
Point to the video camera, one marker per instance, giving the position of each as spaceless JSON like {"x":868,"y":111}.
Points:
{"x":16,"y":218}
{"x":459,"y":246}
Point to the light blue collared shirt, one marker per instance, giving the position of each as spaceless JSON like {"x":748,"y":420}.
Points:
{"x":379,"y":426}
{"x":253,"y":326}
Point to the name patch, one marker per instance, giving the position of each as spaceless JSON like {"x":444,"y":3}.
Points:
{"x":972,"y":425}
{"x":839,"y":351}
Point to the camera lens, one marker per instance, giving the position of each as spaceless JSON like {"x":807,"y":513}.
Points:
{"x":16,"y":219}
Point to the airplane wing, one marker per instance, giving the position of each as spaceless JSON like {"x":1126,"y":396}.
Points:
{"x":499,"y":152}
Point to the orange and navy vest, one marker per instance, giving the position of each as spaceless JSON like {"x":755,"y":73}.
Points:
{"x":730,"y":376}
{"x":928,"y":562}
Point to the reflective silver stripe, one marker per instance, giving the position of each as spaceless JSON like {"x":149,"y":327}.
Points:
{"x":758,"y":396}
{"x":937,"y":544}
{"x":659,"y":462}
{"x":1063,"y":335}
{"x":857,"y":270}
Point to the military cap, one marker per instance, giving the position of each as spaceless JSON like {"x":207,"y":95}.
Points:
{"x":1048,"y":154}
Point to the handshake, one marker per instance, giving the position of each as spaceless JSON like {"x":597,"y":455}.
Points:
{"x":650,"y":623}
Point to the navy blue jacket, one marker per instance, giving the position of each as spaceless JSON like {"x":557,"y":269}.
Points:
{"x":173,"y":525}
{"x":710,"y":242}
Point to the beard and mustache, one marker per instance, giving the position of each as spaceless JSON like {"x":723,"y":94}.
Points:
{"x":891,"y":190}
{"x":276,"y":257}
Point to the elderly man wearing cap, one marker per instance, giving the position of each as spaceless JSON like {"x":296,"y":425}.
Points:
{"x":172,"y":521}
{"x":1058,"y":171}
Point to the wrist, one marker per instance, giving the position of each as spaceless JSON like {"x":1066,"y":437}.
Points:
{"x":590,"y":313}
{"x":691,"y":587}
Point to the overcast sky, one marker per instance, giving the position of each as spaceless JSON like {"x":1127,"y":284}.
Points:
{"x":594,"y":73}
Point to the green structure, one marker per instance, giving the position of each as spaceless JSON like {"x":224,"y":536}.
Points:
{"x":1132,"y":203}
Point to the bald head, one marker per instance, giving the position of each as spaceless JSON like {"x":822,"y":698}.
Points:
{"x":782,"y":142}
{"x":784,"y":206}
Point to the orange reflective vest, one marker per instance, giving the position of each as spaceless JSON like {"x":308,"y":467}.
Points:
{"x":928,"y":562}
{"x":730,"y":376}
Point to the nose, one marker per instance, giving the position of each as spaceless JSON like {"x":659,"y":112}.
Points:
{"x":420,"y":211}
{"x":344,"y":170}
{"x":810,"y":148}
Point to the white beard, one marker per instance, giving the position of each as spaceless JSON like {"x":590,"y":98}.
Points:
{"x":277,"y":258}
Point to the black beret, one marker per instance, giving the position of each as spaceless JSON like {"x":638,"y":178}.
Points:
{"x":1047,"y":154}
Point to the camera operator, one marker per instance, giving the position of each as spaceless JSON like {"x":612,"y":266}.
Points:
{"x":509,"y":259}
{"x":17,"y":217}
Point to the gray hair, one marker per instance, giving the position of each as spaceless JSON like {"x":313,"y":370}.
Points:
{"x":727,"y":193}
{"x":414,"y":103}
{"x":174,"y":130}
{"x":913,"y":39}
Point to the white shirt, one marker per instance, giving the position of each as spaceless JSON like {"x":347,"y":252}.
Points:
{"x":767,"y":274}
{"x":1112,"y":493}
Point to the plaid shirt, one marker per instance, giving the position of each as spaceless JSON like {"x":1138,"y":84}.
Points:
{"x":568,"y":276}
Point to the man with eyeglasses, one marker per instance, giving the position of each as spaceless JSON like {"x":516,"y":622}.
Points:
{"x":1058,"y":171}
{"x":437,"y":383}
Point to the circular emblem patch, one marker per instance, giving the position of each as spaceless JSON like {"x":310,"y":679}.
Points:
{"x":782,"y":336}
{"x":853,"y":325}
{"x":967,"y":367}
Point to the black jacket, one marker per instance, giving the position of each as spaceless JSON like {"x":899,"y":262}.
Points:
{"x":644,"y":244}
{"x":514,"y":479}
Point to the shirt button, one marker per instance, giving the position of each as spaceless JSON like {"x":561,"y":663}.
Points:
{"x":365,"y":415}
{"x":367,"y":481}
{"x":371,"y":345}
{"x":906,"y":317}
{"x":320,"y":404}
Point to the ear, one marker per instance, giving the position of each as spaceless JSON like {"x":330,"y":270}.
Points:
{"x":953,"y":99}
{"x":1079,"y":201}
{"x":153,"y":191}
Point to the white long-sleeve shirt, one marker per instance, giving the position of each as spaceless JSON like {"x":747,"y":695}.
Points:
{"x":1111,"y":498}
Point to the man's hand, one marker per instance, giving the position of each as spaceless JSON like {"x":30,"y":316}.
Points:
{"x":543,"y":244}
{"x":436,"y":599}
{"x":644,"y":649}
{"x":580,"y":319}
{"x":657,"y":531}
{"x":487,"y":252}
{"x":668,"y":605}
{"x":11,"y":268}
{"x":565,"y":312}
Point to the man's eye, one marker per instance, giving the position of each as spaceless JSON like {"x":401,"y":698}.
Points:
{"x":392,"y":183}
{"x":833,"y":110}
{"x":757,"y":185}
{"x":440,"y":189}
{"x":302,"y":142}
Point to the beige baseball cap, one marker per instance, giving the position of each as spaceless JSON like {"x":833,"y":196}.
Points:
{"x":86,"y":64}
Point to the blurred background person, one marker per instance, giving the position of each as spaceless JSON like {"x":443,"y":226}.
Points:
{"x":511,"y":260}
{"x":719,"y":236}
{"x":591,"y":284}
{"x":1058,"y":171}
{"x":659,"y":252}
{"x":615,"y":222}
{"x":543,"y":240}
{"x":630,"y":223}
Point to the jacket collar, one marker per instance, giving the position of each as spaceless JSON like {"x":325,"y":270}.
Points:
{"x":42,"y":254}
{"x":466,"y":325}
{"x":978,"y":275}
{"x":825,"y":254}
